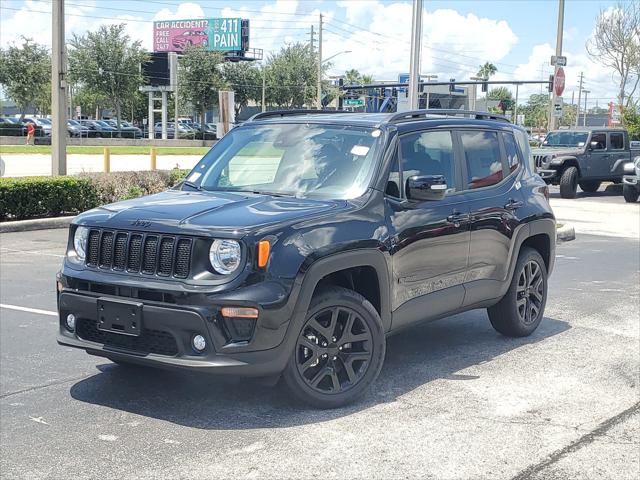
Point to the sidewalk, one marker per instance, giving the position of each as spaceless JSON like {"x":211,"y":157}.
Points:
{"x":22,"y":165}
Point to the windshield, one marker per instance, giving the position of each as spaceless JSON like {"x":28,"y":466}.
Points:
{"x":566,"y":139}
{"x":73,"y":122}
{"x":291,"y":159}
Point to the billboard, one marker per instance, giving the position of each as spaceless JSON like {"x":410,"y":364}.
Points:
{"x":214,"y":34}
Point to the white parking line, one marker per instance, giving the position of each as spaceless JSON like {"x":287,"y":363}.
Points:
{"x":31,"y":252}
{"x":27,"y":309}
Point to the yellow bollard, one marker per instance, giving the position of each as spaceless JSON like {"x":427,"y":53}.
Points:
{"x":107,"y":160}
{"x":154,"y":164}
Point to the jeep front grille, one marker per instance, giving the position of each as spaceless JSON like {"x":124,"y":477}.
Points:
{"x":539,"y":160}
{"x":137,"y":252}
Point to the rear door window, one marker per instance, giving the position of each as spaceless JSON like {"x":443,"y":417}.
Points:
{"x":617,"y":141}
{"x":483,"y":158}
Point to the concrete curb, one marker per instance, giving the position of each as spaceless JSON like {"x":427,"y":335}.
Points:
{"x":565,"y":233}
{"x":35,"y":224}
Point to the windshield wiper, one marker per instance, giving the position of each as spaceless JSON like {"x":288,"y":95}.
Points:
{"x":192,"y":185}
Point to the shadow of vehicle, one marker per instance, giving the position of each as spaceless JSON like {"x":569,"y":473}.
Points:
{"x":612,"y":190}
{"x":415,"y":357}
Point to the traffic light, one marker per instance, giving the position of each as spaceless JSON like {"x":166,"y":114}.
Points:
{"x":485,"y":86}
{"x":452,"y":84}
{"x":550,"y":86}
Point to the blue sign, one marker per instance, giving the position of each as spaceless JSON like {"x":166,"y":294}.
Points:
{"x":224,"y":34}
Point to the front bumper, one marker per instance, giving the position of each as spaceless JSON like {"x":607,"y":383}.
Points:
{"x":168,"y":329}
{"x":631,"y":180}
{"x":547,"y":174}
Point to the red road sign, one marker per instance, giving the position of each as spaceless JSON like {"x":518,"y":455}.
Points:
{"x":558,"y":82}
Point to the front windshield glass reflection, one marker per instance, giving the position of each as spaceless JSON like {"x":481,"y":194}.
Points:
{"x":566,"y":139}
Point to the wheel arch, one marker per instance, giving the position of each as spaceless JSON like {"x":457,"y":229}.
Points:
{"x":569,"y":162}
{"x":364,"y":271}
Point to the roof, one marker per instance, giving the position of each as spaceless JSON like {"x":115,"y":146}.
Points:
{"x":378,"y":119}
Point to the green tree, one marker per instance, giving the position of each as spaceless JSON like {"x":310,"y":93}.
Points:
{"x":25,"y":74}
{"x":487,"y":70}
{"x":245,"y":80}
{"x":569,"y":113}
{"x":536,"y":111}
{"x":292,"y":76}
{"x":200,"y":77}
{"x":631,"y":121}
{"x":107,"y":61}
{"x":504,"y":96}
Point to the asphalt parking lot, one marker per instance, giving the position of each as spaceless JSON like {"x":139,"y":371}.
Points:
{"x":454,"y":399}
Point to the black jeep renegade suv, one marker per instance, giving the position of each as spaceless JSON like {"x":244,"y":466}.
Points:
{"x":304,"y":238}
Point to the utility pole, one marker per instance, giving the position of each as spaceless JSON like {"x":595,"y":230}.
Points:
{"x":313,"y":39}
{"x":414,"y":62}
{"x":515,"y":107}
{"x":264,"y":85}
{"x":319,"y":101}
{"x":584,"y":118}
{"x":579,"y":98}
{"x":58,"y":91}
{"x":552,"y":118}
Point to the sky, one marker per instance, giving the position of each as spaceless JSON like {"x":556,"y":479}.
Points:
{"x":518,"y":36}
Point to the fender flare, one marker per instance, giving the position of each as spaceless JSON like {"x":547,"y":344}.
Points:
{"x":308,"y":280}
{"x":567,"y":159}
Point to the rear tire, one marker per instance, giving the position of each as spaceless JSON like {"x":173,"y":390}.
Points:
{"x":590,"y":186}
{"x":630,"y":193}
{"x":330,"y":365}
{"x":569,"y":182}
{"x":520,"y":311}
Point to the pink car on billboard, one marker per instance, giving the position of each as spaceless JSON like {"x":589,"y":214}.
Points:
{"x":188,"y":38}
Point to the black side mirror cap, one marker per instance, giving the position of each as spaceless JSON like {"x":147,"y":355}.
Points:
{"x":426,"y":187}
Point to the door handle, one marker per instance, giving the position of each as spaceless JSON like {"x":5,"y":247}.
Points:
{"x":513,"y":204}
{"x":456,"y":218}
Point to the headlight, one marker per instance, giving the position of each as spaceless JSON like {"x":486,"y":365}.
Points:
{"x":224,"y":256}
{"x":80,"y":241}
{"x":636,"y":162}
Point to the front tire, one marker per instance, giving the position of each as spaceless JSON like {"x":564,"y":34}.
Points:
{"x":630,"y":193}
{"x":338,"y":352}
{"x":520,"y":311}
{"x":569,"y":182}
{"x":590,"y":186}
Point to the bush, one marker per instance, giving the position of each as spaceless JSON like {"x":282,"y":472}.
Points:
{"x":30,"y":197}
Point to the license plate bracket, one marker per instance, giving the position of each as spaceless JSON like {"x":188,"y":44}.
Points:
{"x":119,"y":316}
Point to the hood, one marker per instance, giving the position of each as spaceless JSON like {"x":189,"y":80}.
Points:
{"x":205,"y":213}
{"x":557,"y":151}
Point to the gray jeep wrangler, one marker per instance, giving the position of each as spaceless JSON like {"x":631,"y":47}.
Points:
{"x":586,"y":157}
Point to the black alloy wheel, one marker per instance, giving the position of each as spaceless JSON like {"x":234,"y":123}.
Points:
{"x":334,"y":350}
{"x":339,"y":350}
{"x":530,"y":292}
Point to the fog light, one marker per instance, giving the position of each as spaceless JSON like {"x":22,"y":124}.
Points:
{"x":199,"y":343}
{"x":71,"y":321}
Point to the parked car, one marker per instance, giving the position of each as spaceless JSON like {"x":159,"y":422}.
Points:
{"x":190,"y":37}
{"x":98,"y":128}
{"x":585,"y":157}
{"x":76,"y":129}
{"x":43,"y":123}
{"x":303,"y":238}
{"x":126,"y":129}
{"x":631,"y":181}
{"x":184,"y":130}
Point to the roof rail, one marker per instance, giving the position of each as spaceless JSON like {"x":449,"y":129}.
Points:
{"x":287,"y":113}
{"x":421,"y":114}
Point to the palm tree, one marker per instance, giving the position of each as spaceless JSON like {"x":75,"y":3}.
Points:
{"x":487,"y":70}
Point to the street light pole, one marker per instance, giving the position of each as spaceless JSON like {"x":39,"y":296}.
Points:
{"x":414,"y":62}
{"x":319,"y":100}
{"x":58,"y":91}
{"x":264,"y":85}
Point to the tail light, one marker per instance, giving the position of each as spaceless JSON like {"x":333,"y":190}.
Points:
{"x":544,"y":191}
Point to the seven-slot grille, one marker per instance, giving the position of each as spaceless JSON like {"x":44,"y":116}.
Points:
{"x":539,"y":160}
{"x":147,"y":253}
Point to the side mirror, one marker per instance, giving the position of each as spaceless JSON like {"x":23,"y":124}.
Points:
{"x":593,"y":146}
{"x":426,"y":187}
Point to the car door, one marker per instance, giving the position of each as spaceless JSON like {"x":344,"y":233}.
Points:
{"x":491,"y":168}
{"x":429,"y":239}
{"x":618,"y":155}
{"x":598,"y":157}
